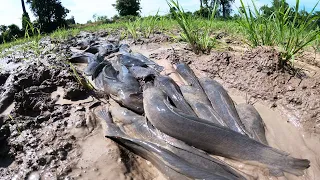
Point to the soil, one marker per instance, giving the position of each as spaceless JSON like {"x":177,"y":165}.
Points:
{"x":47,"y":130}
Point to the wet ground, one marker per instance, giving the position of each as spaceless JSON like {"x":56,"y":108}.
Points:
{"x":48,"y":131}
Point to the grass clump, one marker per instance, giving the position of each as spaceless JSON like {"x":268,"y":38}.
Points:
{"x":197,"y":32}
{"x":282,"y":29}
{"x":81,"y":80}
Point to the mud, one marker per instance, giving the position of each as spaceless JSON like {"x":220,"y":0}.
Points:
{"x":51,"y":133}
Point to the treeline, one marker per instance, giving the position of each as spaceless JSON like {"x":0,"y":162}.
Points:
{"x":51,"y":15}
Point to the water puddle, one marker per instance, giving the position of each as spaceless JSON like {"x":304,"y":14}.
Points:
{"x":283,"y":135}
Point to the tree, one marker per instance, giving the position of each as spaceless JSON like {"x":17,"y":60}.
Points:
{"x":50,"y":14}
{"x":224,"y":7}
{"x":25,"y":16}
{"x":9,"y":33}
{"x":267,"y":11}
{"x":206,"y":7}
{"x":127,"y":7}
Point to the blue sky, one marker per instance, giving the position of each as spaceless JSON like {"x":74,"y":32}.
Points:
{"x":83,"y":10}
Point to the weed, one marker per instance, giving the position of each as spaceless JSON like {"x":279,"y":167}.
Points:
{"x":18,"y":129}
{"x":83,"y":81}
{"x":196,"y":32}
{"x":133,"y":28}
{"x":281,"y":29}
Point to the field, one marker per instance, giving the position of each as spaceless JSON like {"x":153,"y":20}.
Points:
{"x":49,"y":131}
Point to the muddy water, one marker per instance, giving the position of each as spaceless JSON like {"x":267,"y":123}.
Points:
{"x":283,"y":135}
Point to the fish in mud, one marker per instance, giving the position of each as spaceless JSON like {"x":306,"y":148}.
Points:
{"x":252,"y":121}
{"x":124,"y":48}
{"x":83,"y":58}
{"x":137,"y":59}
{"x":141,"y":72}
{"x":103,"y":49}
{"x":148,"y":143}
{"x":222,"y":103}
{"x":188,"y":75}
{"x":122,"y":87}
{"x":213,"y":138}
{"x":167,"y":85}
{"x":200,"y":104}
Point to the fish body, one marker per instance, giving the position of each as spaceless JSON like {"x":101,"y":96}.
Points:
{"x":252,"y":121}
{"x":167,"y":85}
{"x":142,"y":72}
{"x":222,"y":103}
{"x":201,"y":105}
{"x":213,"y":138}
{"x":188,"y":75}
{"x":122,"y":87}
{"x":149,"y":145}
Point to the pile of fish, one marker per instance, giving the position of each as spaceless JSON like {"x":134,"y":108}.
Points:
{"x":175,"y":127}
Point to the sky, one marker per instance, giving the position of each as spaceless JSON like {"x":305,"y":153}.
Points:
{"x":83,"y":10}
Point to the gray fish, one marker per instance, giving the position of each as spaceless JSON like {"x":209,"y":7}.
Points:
{"x":124,"y":48}
{"x":136,"y":127}
{"x":188,"y":75}
{"x":122,"y":87}
{"x":85,"y":43}
{"x":148,"y":62}
{"x":82,"y":58}
{"x":142,"y":72}
{"x":201,"y":105}
{"x":252,"y":121}
{"x":167,"y":85}
{"x":213,"y":138}
{"x":222,"y":103}
{"x":164,"y":159}
{"x":137,"y":59}
{"x":102,"y":49}
{"x":93,"y":65}
{"x":156,"y":154}
{"x":129,"y":60}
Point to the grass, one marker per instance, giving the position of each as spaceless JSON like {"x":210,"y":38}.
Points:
{"x":195,"y":31}
{"x":199,"y":33}
{"x":282,"y":29}
{"x":81,"y":80}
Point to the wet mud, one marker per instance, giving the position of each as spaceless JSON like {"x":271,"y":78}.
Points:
{"x":47,"y":130}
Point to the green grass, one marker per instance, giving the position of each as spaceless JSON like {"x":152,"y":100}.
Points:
{"x":196,"y":31}
{"x":282,"y":29}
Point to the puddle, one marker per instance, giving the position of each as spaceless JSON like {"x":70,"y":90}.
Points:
{"x":283,"y":135}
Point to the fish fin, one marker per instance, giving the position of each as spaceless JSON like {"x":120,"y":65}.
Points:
{"x":110,"y":129}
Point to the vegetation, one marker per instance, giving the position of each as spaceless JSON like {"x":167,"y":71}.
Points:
{"x":224,"y":8}
{"x":198,"y":35}
{"x":282,"y":29}
{"x":50,"y":14}
{"x":288,"y":29}
{"x":128,"y":7}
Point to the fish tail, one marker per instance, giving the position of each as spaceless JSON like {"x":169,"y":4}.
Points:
{"x":110,"y":129}
{"x":296,"y":166}
{"x":286,"y":163}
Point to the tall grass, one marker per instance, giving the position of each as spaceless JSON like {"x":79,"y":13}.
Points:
{"x":281,"y":29}
{"x":197,"y":33}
